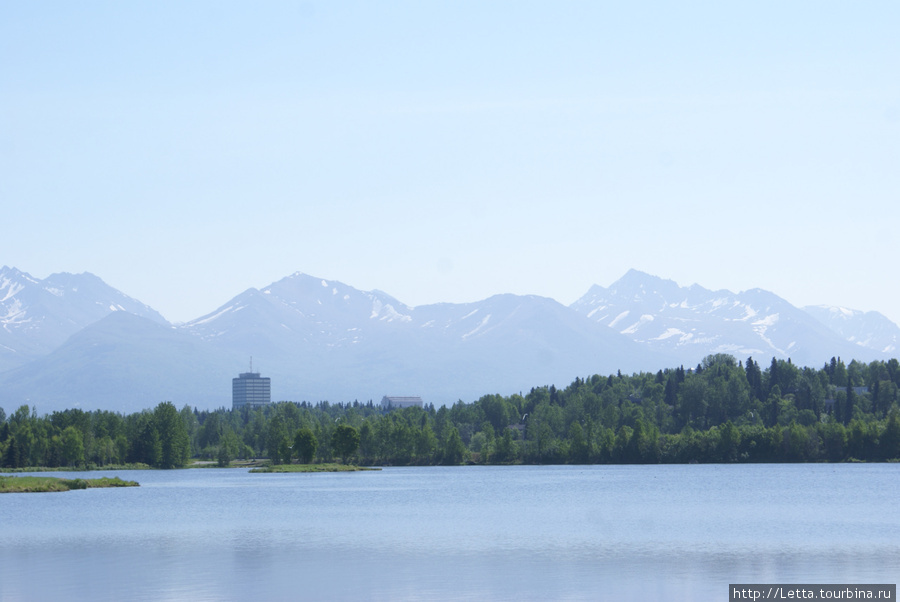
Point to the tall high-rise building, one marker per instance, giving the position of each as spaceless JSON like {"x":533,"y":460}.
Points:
{"x":249,"y":389}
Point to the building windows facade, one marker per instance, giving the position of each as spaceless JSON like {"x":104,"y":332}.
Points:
{"x":249,"y":389}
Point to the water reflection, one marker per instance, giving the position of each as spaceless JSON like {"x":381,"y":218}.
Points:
{"x":454,"y":533}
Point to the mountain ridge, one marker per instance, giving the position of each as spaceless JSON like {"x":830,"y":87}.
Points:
{"x":693,"y":322}
{"x":322,"y":339}
{"x":36,"y":316}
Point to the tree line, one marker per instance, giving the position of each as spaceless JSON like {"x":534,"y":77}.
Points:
{"x":722,"y":410}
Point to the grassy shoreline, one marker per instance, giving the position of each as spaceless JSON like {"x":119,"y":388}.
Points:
{"x":88,"y":468}
{"x":50,"y":484}
{"x":312,"y":468}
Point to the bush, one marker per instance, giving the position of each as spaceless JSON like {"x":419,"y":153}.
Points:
{"x":75,"y":483}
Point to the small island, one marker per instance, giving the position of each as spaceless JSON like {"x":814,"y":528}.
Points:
{"x":18,"y":484}
{"x":311,"y":468}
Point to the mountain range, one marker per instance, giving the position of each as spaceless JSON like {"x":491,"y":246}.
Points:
{"x":70,"y":340}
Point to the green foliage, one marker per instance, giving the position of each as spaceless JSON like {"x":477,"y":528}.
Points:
{"x":229,"y":448}
{"x":278,"y":442}
{"x":174,"y":444}
{"x":71,"y":447}
{"x":305,"y":444}
{"x":49,"y":484}
{"x":722,"y":411}
{"x":579,"y":453}
{"x":345,"y":441}
{"x":454,"y":451}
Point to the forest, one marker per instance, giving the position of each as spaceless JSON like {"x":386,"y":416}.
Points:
{"x":720,"y":411}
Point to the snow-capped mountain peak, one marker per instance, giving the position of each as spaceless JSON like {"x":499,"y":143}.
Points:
{"x":38,"y":315}
{"x":869,"y":330}
{"x":693,"y":322}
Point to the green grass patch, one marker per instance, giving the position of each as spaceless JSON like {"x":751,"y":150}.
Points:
{"x":47,"y":484}
{"x":232,"y":464}
{"x":312,"y":468}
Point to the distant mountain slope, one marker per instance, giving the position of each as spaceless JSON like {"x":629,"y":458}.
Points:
{"x":36,"y":316}
{"x":869,"y":330}
{"x":321,"y":339}
{"x":125,"y":363}
{"x":298,"y":312}
{"x":692,"y":322}
{"x":73,"y":341}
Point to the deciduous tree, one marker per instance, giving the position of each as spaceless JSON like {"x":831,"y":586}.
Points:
{"x":345,"y":441}
{"x":305,"y":444}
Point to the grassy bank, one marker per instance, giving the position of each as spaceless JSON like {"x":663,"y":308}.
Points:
{"x":46,"y":484}
{"x":233,"y":464}
{"x":311,"y":468}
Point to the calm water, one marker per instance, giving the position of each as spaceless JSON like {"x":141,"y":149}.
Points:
{"x":516,"y":533}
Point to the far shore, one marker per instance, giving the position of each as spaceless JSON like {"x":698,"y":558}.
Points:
{"x":88,"y":468}
{"x":256,"y":465}
{"x":312,"y":468}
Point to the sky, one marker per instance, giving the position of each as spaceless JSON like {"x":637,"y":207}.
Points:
{"x":450,"y":151}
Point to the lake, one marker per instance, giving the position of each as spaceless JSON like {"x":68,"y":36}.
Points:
{"x":454,"y":533}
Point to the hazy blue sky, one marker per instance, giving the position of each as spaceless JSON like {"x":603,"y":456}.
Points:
{"x":448,"y":151}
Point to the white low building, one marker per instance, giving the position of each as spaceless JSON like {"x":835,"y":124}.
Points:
{"x":401,"y":402}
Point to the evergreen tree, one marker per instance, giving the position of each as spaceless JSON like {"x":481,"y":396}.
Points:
{"x":773,"y":406}
{"x":670,"y":395}
{"x":890,"y":438}
{"x":174,"y":443}
{"x":849,"y":403}
{"x":12,"y":457}
{"x":145,"y":444}
{"x":754,"y":379}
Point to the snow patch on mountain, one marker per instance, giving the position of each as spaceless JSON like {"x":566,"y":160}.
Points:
{"x":386,"y":312}
{"x":480,"y":326}
{"x":595,"y":310}
{"x":761,"y":327}
{"x":396,"y":315}
{"x":619,"y":318}
{"x":214,"y":316}
{"x":634,"y":327}
{"x":763,"y":324}
{"x":12,"y":289}
{"x":15,"y":314}
{"x":672,"y":332}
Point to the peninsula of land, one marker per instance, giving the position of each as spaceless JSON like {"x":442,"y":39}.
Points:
{"x":46,"y":484}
